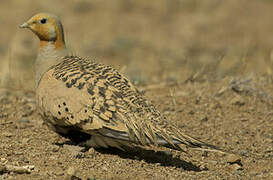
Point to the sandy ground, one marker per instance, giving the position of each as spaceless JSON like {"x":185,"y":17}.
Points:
{"x":206,"y":65}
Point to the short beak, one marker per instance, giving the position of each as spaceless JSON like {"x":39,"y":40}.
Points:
{"x":24,"y":25}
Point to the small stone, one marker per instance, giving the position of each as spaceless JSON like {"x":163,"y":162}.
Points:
{"x":253,"y":173}
{"x":18,"y":153}
{"x":166,"y":113}
{"x":243,"y":152}
{"x":59,"y":173}
{"x":55,"y":148}
{"x":71,"y":174}
{"x":7,"y":134}
{"x":19,"y":169}
{"x":260,"y":176}
{"x":25,"y":140}
{"x":239,"y":172}
{"x":232,"y":159}
{"x":104,"y":168}
{"x":204,"y":167}
{"x":204,"y":119}
{"x":91,"y":151}
{"x":30,"y":167}
{"x":23,"y":120}
{"x":238,"y":100}
{"x":71,"y":171}
{"x":3,"y":160}
{"x":213,"y":162}
{"x":236,"y":167}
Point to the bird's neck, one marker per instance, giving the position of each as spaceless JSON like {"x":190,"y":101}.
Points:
{"x":50,"y":54}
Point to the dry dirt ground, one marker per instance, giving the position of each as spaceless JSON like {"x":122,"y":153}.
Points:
{"x":235,"y":114}
{"x":207,"y":65}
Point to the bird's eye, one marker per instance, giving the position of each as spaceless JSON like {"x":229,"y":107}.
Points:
{"x":43,"y":21}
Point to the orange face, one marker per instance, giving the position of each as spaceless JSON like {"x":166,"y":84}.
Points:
{"x":47,"y":27}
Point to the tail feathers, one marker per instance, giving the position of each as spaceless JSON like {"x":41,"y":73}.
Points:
{"x":161,"y":138}
{"x":177,"y":144}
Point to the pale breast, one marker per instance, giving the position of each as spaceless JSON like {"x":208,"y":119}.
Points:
{"x":76,"y":106}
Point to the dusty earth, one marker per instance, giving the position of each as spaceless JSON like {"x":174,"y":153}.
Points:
{"x":234,"y":114}
{"x":207,"y":65}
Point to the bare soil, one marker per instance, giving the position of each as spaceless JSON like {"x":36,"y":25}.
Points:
{"x":206,"y":65}
{"x":233,"y":114}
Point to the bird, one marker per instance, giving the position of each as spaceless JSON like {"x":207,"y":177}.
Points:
{"x":87,"y":101}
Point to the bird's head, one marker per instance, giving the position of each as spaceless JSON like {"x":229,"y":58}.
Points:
{"x":47,"y":27}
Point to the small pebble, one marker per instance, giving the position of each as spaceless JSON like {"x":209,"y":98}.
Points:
{"x":7,"y":134}
{"x":239,"y":172}
{"x":243,"y":152}
{"x":232,"y":159}
{"x":213,"y":162}
{"x":253,"y":173}
{"x":18,"y":153}
{"x":104,"y":168}
{"x":71,"y":174}
{"x":25,"y":140}
{"x":3,"y":160}
{"x":59,"y":173}
{"x":91,"y":151}
{"x":71,"y":171}
{"x":23,"y":120}
{"x":204,"y":119}
{"x":236,"y":167}
{"x":238,"y":100}
{"x":55,"y":148}
{"x":204,"y":167}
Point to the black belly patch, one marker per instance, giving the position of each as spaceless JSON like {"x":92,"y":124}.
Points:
{"x":75,"y":136}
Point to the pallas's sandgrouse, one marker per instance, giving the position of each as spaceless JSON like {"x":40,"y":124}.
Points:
{"x":91,"y":102}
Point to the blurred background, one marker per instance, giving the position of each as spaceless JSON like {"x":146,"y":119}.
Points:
{"x":149,"y":41}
